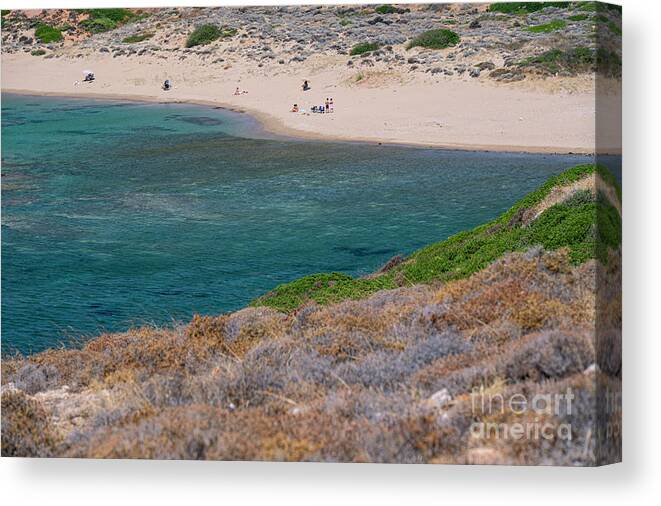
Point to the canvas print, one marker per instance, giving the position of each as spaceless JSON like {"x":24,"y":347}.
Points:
{"x":372,"y":233}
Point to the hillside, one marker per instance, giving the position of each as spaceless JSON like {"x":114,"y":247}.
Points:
{"x":376,"y":369}
{"x":497,"y":42}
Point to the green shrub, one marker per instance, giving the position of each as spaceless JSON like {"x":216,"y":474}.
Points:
{"x":435,"y":39}
{"x":609,"y":63}
{"x":46,"y":33}
{"x":138,"y":37}
{"x":98,"y":25}
{"x":578,"y":59}
{"x":524,"y":7}
{"x":614,"y":28}
{"x":116,"y":15}
{"x":587,"y":6}
{"x":206,"y":34}
{"x":38,"y":52}
{"x":364,"y":47}
{"x":554,"y":25}
{"x":103,"y":20}
{"x":386,"y":9}
{"x":570,"y":224}
{"x":578,"y":17}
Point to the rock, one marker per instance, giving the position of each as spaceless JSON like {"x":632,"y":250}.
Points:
{"x":8,"y":387}
{"x":474,"y":72}
{"x":591,"y":369}
{"x":104,"y":50}
{"x":486,"y":65}
{"x":439,"y":399}
{"x":475,"y":24}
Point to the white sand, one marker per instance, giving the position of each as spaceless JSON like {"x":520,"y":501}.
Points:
{"x":542,"y":116}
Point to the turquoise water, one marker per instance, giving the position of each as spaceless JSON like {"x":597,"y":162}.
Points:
{"x":120,"y":214}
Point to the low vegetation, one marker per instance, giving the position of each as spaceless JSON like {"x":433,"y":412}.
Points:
{"x":614,"y":28}
{"x":553,"y":61}
{"x":364,"y":47}
{"x":208,"y":33}
{"x":609,"y":63}
{"x":138,"y":37}
{"x":103,"y":20}
{"x":46,"y":34}
{"x":386,"y":378}
{"x":574,"y":61}
{"x":524,"y":7}
{"x":38,"y":52}
{"x":552,"y":26}
{"x":435,"y":39}
{"x":386,"y":9}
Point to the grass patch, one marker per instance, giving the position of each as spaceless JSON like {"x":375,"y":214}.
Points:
{"x":46,"y":33}
{"x":578,"y":17}
{"x":524,"y":7}
{"x":578,"y":59}
{"x":435,"y":39}
{"x":614,"y":28}
{"x":386,"y":9}
{"x":206,"y":34}
{"x":38,"y":52}
{"x":588,"y":227}
{"x":556,"y":24}
{"x":609,"y":63}
{"x":138,"y":37}
{"x":598,"y":7}
{"x":587,"y":6}
{"x":364,"y":47}
{"x":103,"y":20}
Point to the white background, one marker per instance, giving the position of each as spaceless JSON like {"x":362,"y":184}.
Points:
{"x":636,"y":481}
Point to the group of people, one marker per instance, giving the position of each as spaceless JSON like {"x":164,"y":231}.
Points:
{"x":325,"y":108}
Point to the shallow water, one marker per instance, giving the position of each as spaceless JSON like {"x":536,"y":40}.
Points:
{"x":119,"y":214}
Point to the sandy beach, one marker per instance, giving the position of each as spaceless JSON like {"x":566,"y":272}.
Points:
{"x":477,"y":94}
{"x":380,"y":107}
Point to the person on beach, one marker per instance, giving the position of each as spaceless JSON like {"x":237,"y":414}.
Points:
{"x":306,"y":86}
{"x":295,"y":108}
{"x":237,"y":91}
{"x":331,"y":105}
{"x":327,"y":105}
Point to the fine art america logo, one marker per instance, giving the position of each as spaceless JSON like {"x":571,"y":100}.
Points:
{"x":541,"y":411}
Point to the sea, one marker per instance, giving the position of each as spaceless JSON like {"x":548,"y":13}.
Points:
{"x":119,"y":214}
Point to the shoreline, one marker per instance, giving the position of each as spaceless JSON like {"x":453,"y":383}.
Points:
{"x":276,"y":127}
